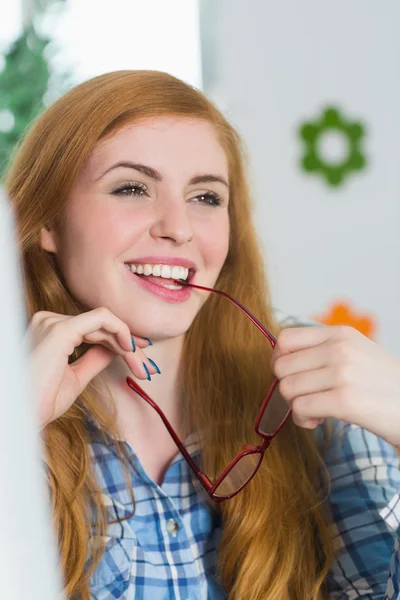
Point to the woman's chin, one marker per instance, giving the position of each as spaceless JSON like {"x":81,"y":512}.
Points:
{"x":163,"y":335}
{"x":161,"y":325}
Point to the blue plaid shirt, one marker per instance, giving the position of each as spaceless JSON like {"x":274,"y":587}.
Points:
{"x":169,"y":548}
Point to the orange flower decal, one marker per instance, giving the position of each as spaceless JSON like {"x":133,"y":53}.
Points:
{"x":342,"y":314}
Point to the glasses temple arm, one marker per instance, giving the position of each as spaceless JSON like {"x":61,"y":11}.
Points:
{"x":244,"y":310}
{"x":202,"y":477}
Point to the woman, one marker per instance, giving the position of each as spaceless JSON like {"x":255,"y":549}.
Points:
{"x":125,"y":178}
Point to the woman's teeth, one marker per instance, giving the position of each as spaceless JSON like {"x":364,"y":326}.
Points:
{"x":164,"y":271}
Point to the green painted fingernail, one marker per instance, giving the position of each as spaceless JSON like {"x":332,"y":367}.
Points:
{"x":147,"y":372}
{"x":154,"y":365}
{"x":133,"y":345}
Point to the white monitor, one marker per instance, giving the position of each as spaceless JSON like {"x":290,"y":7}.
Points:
{"x":27,"y":549}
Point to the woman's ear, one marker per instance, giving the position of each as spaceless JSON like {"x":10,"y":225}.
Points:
{"x":47,"y":240}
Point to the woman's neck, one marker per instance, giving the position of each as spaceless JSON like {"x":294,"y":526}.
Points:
{"x":138,"y":423}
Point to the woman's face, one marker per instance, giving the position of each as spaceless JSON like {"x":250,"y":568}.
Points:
{"x":155,"y":196}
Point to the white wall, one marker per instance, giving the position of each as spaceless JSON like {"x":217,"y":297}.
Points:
{"x":95,"y":37}
{"x":271,"y":65}
{"x":91,"y":37}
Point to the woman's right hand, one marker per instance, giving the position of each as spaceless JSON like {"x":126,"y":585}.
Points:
{"x":54,"y":337}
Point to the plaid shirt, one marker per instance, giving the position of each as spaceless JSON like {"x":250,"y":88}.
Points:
{"x":168,"y":549}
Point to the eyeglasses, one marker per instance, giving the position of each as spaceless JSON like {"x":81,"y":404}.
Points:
{"x":273,"y":415}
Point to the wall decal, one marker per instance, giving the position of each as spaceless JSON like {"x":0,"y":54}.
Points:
{"x":332,"y":147}
{"x":341,"y":313}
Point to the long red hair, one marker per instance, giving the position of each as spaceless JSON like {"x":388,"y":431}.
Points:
{"x":275,"y":537}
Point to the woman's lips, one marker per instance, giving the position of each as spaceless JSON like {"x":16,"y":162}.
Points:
{"x":159,"y":280}
{"x":157,"y":287}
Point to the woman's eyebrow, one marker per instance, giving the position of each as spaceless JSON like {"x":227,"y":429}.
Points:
{"x":208,"y":179}
{"x":153,"y":174}
{"x":149,"y":171}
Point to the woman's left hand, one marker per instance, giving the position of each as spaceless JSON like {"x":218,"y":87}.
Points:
{"x":337,"y":372}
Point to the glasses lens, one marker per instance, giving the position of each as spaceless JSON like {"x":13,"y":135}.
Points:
{"x":239,"y":475}
{"x":275,"y":413}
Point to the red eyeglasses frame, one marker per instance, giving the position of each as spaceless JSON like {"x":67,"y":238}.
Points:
{"x":248,"y":448}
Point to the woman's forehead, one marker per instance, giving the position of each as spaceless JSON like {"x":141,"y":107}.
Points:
{"x":162,"y":142}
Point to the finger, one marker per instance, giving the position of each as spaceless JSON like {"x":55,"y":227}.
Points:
{"x":322,"y":405}
{"x":142,"y":342}
{"x":102,"y":327}
{"x":114,"y":325}
{"x":110,"y":340}
{"x":84,"y":324}
{"x":301,"y":360}
{"x":140,"y":365}
{"x":308,"y":423}
{"x":294,"y":339}
{"x":41,"y":316}
{"x":40,"y":325}
{"x":309,"y":382}
{"x":45,"y":319}
{"x":102,"y":334}
{"x":90,"y":364}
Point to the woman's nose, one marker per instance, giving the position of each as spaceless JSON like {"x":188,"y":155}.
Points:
{"x":172,"y":223}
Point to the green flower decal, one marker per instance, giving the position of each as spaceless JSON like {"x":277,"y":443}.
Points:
{"x":332,"y":125}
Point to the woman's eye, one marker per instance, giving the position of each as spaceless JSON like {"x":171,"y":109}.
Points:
{"x":130,"y":189}
{"x":209,"y":198}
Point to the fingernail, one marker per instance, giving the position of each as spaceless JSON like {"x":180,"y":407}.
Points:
{"x":154,"y":365}
{"x":133,"y":345}
{"x":147,"y":372}
{"x":148,"y":341}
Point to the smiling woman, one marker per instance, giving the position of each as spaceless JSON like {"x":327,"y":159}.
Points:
{"x":153,"y":193}
{"x":115,"y":201}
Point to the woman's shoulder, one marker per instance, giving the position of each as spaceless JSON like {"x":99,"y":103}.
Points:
{"x":363,"y":507}
{"x":351,"y":452}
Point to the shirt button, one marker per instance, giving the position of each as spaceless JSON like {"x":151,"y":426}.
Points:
{"x":172,"y":527}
